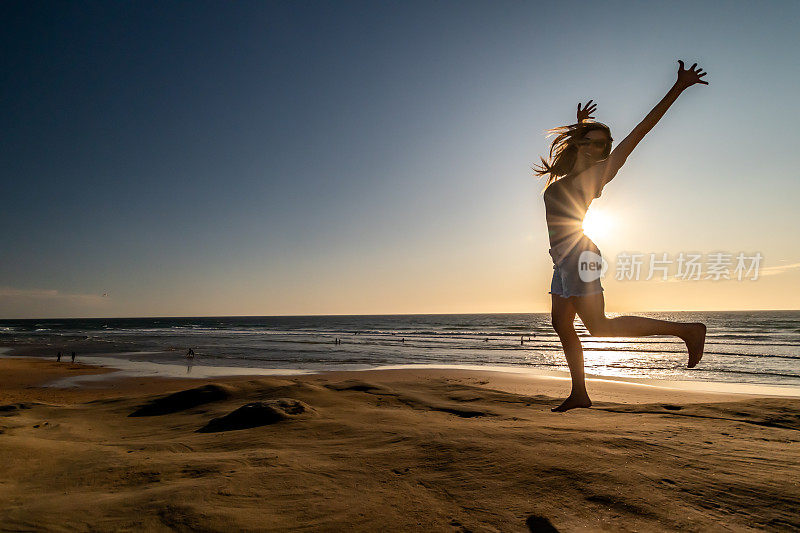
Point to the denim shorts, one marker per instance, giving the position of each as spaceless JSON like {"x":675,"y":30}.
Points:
{"x":567,"y":281}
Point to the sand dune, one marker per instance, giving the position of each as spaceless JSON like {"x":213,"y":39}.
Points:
{"x":428,"y":450}
{"x":256,"y":414}
{"x":183,"y":400}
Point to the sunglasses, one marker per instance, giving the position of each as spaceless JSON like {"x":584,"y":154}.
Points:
{"x":593,"y":144}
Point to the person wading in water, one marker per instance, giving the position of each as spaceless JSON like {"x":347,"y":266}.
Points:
{"x":581,"y":164}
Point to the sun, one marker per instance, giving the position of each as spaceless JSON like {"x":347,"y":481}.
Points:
{"x":598,"y":224}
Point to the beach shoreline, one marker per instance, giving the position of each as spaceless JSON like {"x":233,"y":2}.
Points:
{"x":118,"y":367}
{"x":741,"y":348}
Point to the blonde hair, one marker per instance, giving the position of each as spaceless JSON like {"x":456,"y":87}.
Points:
{"x":564,"y":150}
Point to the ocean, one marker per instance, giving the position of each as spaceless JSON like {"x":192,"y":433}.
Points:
{"x":760,"y":347}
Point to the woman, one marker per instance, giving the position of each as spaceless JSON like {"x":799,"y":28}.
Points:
{"x":581,"y":164}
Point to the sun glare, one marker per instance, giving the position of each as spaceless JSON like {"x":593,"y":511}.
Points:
{"x":597,"y":224}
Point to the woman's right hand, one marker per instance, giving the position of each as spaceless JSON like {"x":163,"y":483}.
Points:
{"x":687,"y":78}
{"x":583,"y":114}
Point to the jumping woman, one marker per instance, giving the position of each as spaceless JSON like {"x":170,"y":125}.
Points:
{"x":581,"y":164}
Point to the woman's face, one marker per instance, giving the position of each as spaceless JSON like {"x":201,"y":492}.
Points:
{"x":593,"y":146}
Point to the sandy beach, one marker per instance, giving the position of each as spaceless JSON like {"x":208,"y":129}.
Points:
{"x":388,"y":450}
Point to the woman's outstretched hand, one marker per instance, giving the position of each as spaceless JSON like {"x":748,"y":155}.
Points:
{"x":687,"y":78}
{"x":587,"y":110}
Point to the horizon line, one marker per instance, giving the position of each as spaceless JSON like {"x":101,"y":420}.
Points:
{"x":391,"y":314}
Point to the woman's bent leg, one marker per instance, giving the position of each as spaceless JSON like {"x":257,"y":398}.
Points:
{"x":591,"y":309}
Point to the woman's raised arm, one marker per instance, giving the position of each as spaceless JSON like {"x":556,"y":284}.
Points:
{"x":686,"y":78}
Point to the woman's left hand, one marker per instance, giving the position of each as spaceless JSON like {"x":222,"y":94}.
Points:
{"x":687,"y":78}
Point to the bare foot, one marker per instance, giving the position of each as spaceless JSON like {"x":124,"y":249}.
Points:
{"x":695,"y":339}
{"x":573,"y":402}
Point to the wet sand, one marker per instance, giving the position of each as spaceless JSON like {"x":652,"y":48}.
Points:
{"x":388,"y":450}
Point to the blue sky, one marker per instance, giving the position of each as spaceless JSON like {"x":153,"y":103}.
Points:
{"x":248,"y":158}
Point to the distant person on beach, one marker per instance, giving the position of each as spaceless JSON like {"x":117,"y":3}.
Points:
{"x":190,"y":354}
{"x":58,"y":357}
{"x":581,"y":164}
{"x":73,"y":357}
